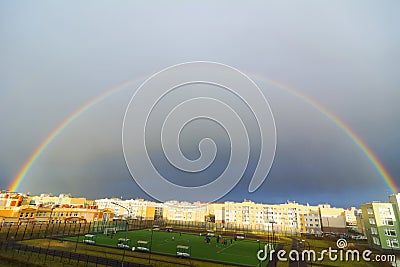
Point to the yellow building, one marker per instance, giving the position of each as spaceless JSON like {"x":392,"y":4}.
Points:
{"x":8,"y":199}
{"x":74,"y":215}
{"x":289,"y":217}
{"x":184,"y":211}
{"x":62,"y":199}
{"x":43,"y":215}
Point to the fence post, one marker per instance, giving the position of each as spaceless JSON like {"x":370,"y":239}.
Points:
{"x":58,"y":229}
{"x":23,"y":235}
{"x":77,"y":239}
{"x":32,"y":229}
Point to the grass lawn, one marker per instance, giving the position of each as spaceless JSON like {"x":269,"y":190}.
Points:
{"x":242,"y":252}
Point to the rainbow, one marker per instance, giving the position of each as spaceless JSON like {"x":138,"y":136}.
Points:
{"x":373,"y":159}
{"x":17,"y":181}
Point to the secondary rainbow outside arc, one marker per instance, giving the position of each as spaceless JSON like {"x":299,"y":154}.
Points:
{"x":379,"y":167}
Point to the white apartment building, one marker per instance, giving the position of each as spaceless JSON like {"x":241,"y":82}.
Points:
{"x":185,"y":211}
{"x":351,"y":218}
{"x":133,"y":208}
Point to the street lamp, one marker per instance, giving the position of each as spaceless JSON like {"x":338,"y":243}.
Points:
{"x":273,"y":234}
{"x":126,"y":228}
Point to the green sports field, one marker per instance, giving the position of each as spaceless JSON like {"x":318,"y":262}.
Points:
{"x":243,"y":252}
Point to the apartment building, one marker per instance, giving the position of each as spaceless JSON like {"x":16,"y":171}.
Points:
{"x":9,"y":199}
{"x":217,"y":210}
{"x":288,"y":217}
{"x":332,"y":219}
{"x":381,"y":224}
{"x":360,"y":222}
{"x":185,"y":211}
{"x":43,"y":215}
{"x":60,"y":200}
{"x":133,"y":208}
{"x":351,"y":219}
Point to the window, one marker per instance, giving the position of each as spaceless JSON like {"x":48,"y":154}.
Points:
{"x":388,"y":221}
{"x":369,"y":211}
{"x":390,"y":232}
{"x":21,"y":215}
{"x":376,"y":241}
{"x":371,"y":221}
{"x":392,"y":243}
{"x":374,"y":231}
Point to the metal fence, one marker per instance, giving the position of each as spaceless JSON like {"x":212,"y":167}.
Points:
{"x":78,"y":257}
{"x":11,"y":235}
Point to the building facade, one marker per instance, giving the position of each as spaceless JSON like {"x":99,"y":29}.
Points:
{"x":381,"y":225}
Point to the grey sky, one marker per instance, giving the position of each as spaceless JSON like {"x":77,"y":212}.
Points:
{"x":56,"y":56}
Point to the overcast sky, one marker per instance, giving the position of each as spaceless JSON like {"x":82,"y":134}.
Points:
{"x":57,"y":55}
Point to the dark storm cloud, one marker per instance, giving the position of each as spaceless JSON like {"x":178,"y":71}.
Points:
{"x":57,"y":56}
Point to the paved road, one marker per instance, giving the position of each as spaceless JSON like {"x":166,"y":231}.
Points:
{"x":296,"y":245}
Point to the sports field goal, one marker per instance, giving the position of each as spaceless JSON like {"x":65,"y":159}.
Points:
{"x":183,"y":251}
{"x":142,"y":245}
